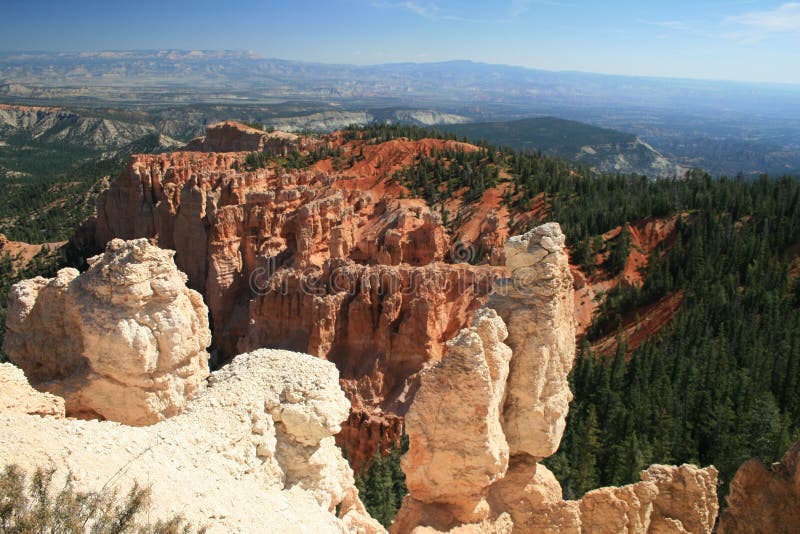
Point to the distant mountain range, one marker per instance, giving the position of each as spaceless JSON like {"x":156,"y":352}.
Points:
{"x":119,"y":133}
{"x":723,"y":127}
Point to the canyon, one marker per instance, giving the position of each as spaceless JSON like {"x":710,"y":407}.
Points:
{"x":333,"y":258}
{"x":452,"y":329}
{"x":335,"y":264}
{"x":259,"y":431}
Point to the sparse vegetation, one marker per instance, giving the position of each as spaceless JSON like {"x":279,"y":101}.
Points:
{"x":383,"y":484}
{"x":39,"y":503}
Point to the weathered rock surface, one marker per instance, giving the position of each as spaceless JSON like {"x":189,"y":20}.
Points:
{"x":764,"y":499}
{"x":230,"y":136}
{"x":687,"y":497}
{"x":17,"y":396}
{"x":473,"y":463}
{"x":253,"y":453}
{"x":124,"y":341}
{"x":337,"y":264}
{"x":454,"y":453}
{"x":537,"y":304}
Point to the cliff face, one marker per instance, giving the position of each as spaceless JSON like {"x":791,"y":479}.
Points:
{"x":336,"y":264}
{"x":495,"y":405}
{"x":764,"y":499}
{"x":230,"y":136}
{"x":256,"y":445}
{"x":123,"y":341}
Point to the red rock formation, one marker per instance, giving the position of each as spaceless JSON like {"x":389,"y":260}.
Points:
{"x":640,"y":325}
{"x":338,"y":264}
{"x":21,"y":253}
{"x":646,"y":236}
{"x":230,"y":136}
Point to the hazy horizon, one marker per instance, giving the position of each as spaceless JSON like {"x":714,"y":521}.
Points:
{"x":743,"y":41}
{"x":442,"y":61}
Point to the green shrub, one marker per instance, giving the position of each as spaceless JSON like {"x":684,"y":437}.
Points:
{"x":34,"y":505}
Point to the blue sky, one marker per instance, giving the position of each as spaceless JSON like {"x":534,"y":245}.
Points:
{"x":735,"y":40}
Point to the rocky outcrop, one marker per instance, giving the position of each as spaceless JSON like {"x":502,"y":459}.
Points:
{"x":537,"y":304}
{"x":455,"y":454}
{"x":17,"y":396}
{"x":125,"y":340}
{"x":336,"y":264}
{"x":254,"y":452}
{"x":349,"y":313}
{"x":764,"y":499}
{"x":230,"y":136}
{"x":494,"y":406}
{"x":687,"y":498}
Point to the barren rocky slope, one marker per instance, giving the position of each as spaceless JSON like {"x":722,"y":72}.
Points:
{"x":55,"y":125}
{"x":254,"y":453}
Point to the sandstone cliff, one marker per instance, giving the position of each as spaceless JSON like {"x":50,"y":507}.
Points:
{"x":337,"y":264}
{"x":495,"y":405}
{"x":253,"y":453}
{"x":764,"y":499}
{"x":123,"y":341}
{"x":230,"y":136}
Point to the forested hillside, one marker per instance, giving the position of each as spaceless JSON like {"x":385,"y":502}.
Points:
{"x":721,"y":383}
{"x":604,"y":149}
{"x":49,"y":191}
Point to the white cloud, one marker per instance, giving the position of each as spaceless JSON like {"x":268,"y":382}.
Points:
{"x":429,"y":11}
{"x":426,"y":10}
{"x":756,"y":25}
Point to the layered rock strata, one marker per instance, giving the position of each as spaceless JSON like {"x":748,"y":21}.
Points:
{"x":495,"y":405}
{"x":253,"y":453}
{"x":338,"y":264}
{"x":230,"y":136}
{"x":124,"y":341}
